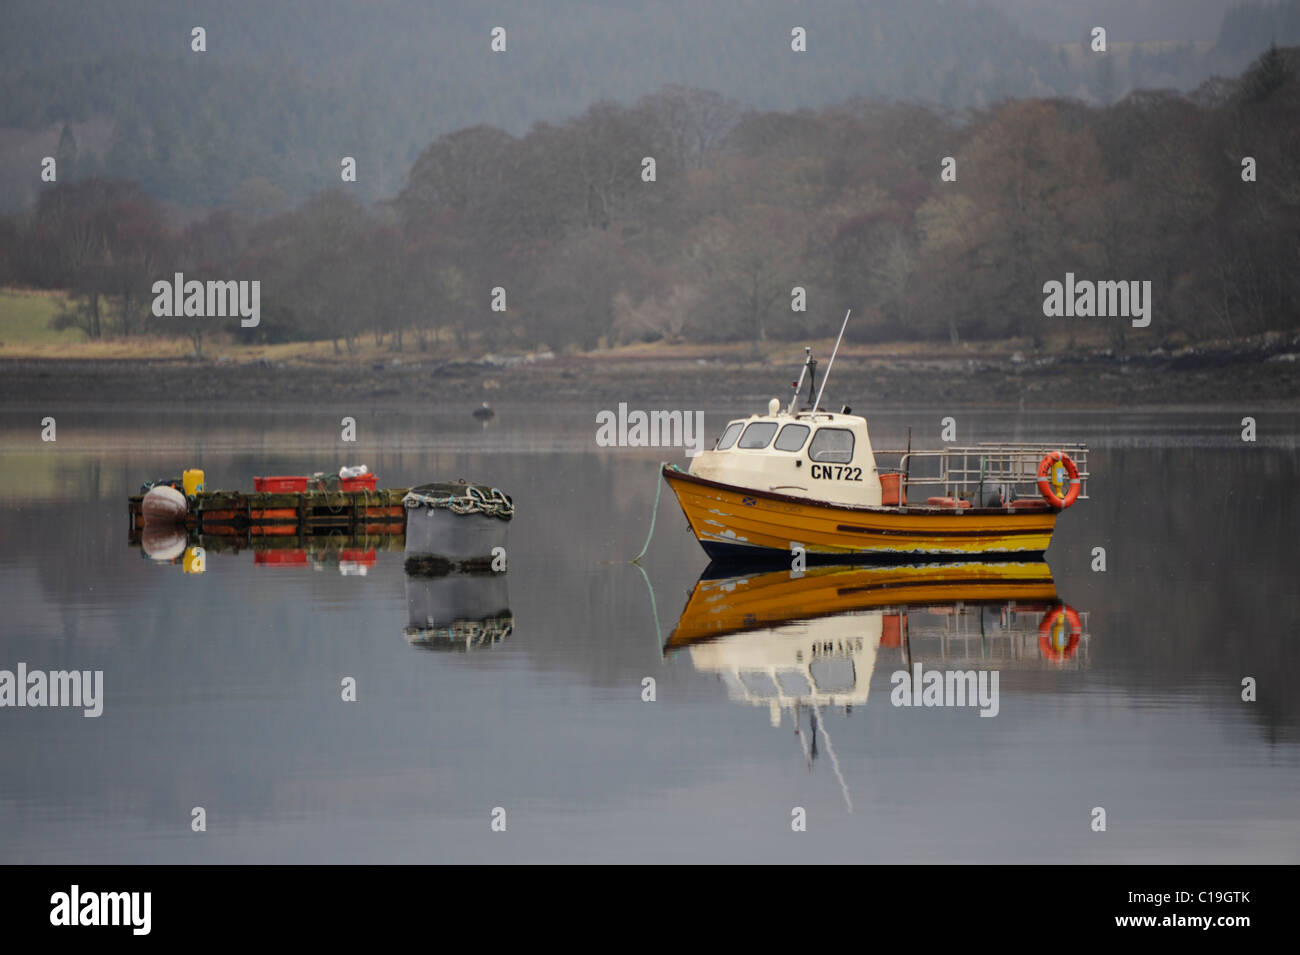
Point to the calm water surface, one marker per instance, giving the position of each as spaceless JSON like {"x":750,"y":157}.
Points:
{"x":222,"y":689}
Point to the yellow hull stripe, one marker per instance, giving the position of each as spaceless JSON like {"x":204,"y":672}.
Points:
{"x":724,"y":515}
{"x":719,"y":607}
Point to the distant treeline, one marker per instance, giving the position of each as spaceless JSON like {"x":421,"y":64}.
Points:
{"x":847,"y":203}
{"x":284,"y":90}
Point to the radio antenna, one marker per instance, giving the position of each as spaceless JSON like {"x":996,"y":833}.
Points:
{"x":831,"y":364}
{"x":807,"y":357}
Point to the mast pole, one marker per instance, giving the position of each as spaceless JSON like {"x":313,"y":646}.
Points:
{"x":831,"y":364}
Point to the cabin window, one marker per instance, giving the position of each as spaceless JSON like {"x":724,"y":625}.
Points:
{"x":758,"y":435}
{"x":730,"y":435}
{"x":758,"y":682}
{"x":833,"y":674}
{"x":735,"y":689}
{"x":832,"y":445}
{"x":792,"y":437}
{"x":793,"y":682}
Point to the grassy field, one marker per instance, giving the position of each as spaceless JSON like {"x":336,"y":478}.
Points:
{"x":25,"y":320}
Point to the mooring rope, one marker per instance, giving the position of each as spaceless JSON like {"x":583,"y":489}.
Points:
{"x":659,"y":486}
{"x":654,"y":607}
{"x":635,"y":562}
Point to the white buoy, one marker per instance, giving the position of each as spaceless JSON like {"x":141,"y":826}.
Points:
{"x":164,"y":505}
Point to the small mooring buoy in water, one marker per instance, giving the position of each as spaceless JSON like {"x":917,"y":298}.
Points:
{"x":484,"y":412}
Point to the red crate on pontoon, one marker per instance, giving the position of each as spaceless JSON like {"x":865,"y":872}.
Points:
{"x":363,"y":482}
{"x":280,"y":558}
{"x":280,"y":484}
{"x":366,"y":558}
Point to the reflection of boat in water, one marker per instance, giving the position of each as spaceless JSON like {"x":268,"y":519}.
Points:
{"x":457,"y":611}
{"x":795,"y":639}
{"x":811,"y":641}
{"x":720,"y":605}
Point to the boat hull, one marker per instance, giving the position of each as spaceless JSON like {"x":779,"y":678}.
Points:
{"x":732,"y":522}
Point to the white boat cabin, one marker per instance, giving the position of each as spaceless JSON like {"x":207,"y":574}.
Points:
{"x":820,"y":661}
{"x":814,"y":454}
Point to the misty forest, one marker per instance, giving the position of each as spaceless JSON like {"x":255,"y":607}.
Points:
{"x":933,"y":195}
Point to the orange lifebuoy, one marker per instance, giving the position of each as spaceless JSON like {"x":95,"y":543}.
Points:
{"x":1049,"y":480}
{"x":1053,"y":642}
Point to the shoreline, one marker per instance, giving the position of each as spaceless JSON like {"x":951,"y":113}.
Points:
{"x":1210,"y":377}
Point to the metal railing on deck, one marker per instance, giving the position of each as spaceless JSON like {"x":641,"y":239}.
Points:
{"x":963,"y":636}
{"x":963,"y":471}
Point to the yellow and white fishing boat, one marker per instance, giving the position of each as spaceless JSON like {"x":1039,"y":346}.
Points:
{"x":806,"y":479}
